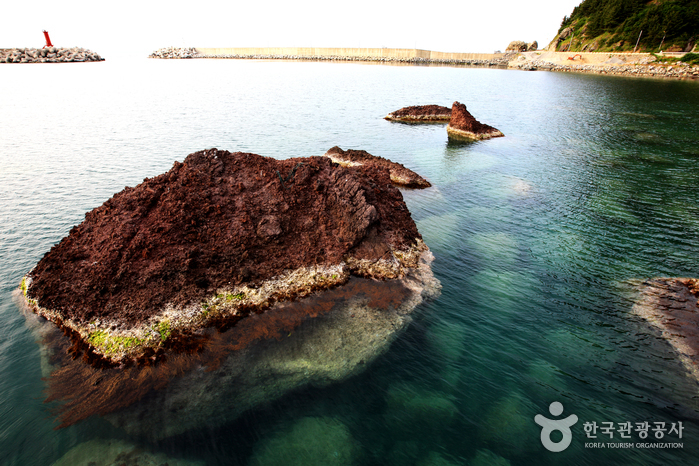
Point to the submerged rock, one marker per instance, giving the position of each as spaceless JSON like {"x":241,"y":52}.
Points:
{"x":421,"y":114}
{"x":113,"y":452}
{"x":400,"y":175}
{"x":464,"y":126}
{"x":195,"y":275}
{"x":311,"y":441}
{"x":670,"y":305}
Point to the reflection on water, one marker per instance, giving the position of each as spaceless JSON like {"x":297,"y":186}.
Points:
{"x":317,"y":340}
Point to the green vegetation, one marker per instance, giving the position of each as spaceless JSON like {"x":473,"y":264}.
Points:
{"x":163,"y":328}
{"x":614,"y":25}
{"x":689,"y":58}
{"x":23,"y":286}
{"x":108,"y":344}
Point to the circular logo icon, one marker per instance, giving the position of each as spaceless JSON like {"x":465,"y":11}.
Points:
{"x":548,"y":426}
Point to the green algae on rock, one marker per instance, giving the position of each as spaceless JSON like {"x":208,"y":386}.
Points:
{"x":213,"y":240}
{"x":229,"y":280}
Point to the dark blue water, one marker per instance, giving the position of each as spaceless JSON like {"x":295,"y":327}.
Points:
{"x":539,"y":239}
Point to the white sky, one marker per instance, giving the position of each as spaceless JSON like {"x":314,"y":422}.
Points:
{"x":136,"y":28}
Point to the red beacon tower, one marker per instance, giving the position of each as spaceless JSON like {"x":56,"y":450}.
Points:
{"x":48,"y":40}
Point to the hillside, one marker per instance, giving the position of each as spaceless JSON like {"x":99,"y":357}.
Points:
{"x":615,"y":25}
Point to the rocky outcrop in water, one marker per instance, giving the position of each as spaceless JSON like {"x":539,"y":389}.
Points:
{"x":670,"y":305}
{"x":230,"y":262}
{"x":421,"y":114}
{"x":214,"y":239}
{"x":174,"y":52}
{"x":400,"y":175}
{"x":48,"y":55}
{"x":465,"y":127}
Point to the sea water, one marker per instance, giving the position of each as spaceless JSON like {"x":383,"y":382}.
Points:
{"x":540,"y":239}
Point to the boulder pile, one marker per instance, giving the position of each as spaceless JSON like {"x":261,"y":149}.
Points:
{"x":174,"y":52}
{"x":48,"y":55}
{"x":521,"y":46}
{"x":616,"y":66}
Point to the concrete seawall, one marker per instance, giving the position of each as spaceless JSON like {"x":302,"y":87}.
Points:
{"x":345,"y":52}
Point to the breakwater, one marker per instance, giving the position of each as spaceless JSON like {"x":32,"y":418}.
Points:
{"x":48,"y":55}
{"x":621,"y":64}
{"x":383,"y":55}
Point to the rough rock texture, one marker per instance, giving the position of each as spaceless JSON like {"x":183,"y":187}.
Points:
{"x":520,"y":46}
{"x":174,"y":53}
{"x":421,"y":114}
{"x":212,"y":240}
{"x":48,"y":55}
{"x":318,"y":340}
{"x":620,"y":64}
{"x":400,"y":175}
{"x":516,"y":46}
{"x":464,"y":126}
{"x":670,"y":305}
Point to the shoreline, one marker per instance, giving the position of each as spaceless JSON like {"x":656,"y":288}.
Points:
{"x":603,"y":63}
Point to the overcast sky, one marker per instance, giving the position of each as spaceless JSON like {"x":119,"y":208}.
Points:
{"x":135,"y":28}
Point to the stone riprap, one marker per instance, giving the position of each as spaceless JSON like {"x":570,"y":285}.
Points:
{"x":411,"y":60}
{"x":616,"y":65}
{"x":175,"y":52}
{"x":48,"y":55}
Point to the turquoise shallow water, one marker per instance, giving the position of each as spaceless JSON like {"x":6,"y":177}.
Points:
{"x":538,"y":237}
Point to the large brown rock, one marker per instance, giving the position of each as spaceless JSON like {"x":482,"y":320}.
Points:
{"x":400,"y":175}
{"x":214,"y":239}
{"x":517,"y":46}
{"x":421,"y":114}
{"x":465,"y":127}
